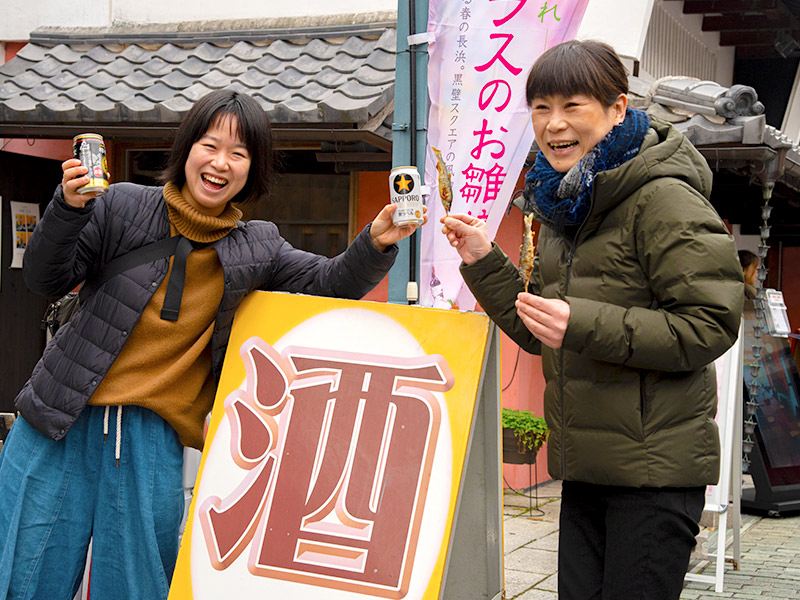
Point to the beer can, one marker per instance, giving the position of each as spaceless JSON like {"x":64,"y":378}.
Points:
{"x":90,"y":149}
{"x":406,"y":192}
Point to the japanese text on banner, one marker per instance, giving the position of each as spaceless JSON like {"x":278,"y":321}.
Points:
{"x":480,"y":56}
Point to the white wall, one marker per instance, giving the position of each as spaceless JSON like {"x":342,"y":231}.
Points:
{"x":745,"y":242}
{"x":20,"y":17}
{"x":619,"y":23}
{"x":791,"y":118}
{"x":694,"y":24}
{"x":159,"y":11}
{"x":624,"y":24}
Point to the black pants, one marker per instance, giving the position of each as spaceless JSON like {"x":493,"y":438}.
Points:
{"x":619,"y":543}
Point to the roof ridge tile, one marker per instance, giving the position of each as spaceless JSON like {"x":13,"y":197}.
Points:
{"x":388,"y":41}
{"x":369,"y":75}
{"x":135,"y":54}
{"x":66,"y":80}
{"x":138,"y":79}
{"x":81,"y":68}
{"x":171,"y":53}
{"x":118,"y":92}
{"x":27,"y":80}
{"x":80,"y":92}
{"x":101,"y":80}
{"x":177,"y":80}
{"x":215,"y":79}
{"x":382,"y":61}
{"x":10,"y":90}
{"x":245,"y":51}
{"x":101,"y":55}
{"x":269,"y":64}
{"x":357,"y":47}
{"x":209,"y":53}
{"x":231,"y":65}
{"x":15,"y":66}
{"x":331,"y":77}
{"x":119,"y":68}
{"x":157,"y":67}
{"x":320,"y":49}
{"x":158,"y":92}
{"x":33,"y":52}
{"x":47,"y":67}
{"x":308,"y":64}
{"x":284,"y":50}
{"x":65,"y":54}
{"x":193,"y":66}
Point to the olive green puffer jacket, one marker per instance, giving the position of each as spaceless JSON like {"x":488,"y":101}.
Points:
{"x":655,"y":292}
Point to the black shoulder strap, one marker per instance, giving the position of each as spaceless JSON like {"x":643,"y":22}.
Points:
{"x":134,"y":258}
{"x":177,"y":278}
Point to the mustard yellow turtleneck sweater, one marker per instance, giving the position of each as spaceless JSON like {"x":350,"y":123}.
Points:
{"x":165,"y":366}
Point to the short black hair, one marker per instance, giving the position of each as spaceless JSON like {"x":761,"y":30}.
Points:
{"x":585,"y":67}
{"x":252,"y":126}
{"x":747,"y":258}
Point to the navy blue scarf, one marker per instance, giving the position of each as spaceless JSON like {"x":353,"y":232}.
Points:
{"x":561,"y":200}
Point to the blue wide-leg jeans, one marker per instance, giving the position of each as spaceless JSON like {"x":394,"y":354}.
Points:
{"x":56,"y":496}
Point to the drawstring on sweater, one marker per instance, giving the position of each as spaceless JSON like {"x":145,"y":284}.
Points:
{"x":118,"y":443}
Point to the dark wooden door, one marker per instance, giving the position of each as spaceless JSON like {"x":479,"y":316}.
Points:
{"x":22,"y":179}
{"x":311,"y":211}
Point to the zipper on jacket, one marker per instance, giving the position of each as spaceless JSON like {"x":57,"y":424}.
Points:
{"x":561,"y":369}
{"x":573,"y":246}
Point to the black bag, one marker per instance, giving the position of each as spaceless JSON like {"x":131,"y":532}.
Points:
{"x":63,"y":309}
{"x":60,"y":311}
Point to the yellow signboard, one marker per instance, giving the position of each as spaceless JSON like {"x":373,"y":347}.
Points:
{"x":335,"y":452}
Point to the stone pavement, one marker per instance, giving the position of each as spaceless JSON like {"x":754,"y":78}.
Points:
{"x":769,"y":567}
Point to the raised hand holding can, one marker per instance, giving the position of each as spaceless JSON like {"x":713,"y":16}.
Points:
{"x":405,"y":191}
{"x":90,"y":149}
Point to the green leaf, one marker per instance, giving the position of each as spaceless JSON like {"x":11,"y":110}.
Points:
{"x":531,"y":431}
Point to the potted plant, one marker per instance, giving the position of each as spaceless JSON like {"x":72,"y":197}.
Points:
{"x":523,"y":435}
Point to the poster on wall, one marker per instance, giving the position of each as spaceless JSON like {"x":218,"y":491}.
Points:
{"x":335,"y":452}
{"x":24,"y":217}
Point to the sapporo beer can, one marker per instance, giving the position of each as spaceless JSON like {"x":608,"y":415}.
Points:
{"x":405,"y":191}
{"x":90,"y":149}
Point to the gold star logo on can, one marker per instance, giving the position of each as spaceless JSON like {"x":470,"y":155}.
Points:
{"x":404,"y":191}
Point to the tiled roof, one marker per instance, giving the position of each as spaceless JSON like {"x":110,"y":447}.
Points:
{"x":727,"y":125}
{"x":341,"y":79}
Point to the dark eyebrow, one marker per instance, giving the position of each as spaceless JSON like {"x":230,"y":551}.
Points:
{"x":215,"y":138}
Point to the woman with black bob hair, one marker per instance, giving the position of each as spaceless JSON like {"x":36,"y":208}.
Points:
{"x":151,"y":340}
{"x":252,"y":127}
{"x":635,"y":290}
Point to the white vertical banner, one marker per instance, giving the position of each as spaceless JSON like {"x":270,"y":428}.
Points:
{"x":479,"y":57}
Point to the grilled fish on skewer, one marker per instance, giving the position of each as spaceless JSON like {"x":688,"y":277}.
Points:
{"x":526,"y":251}
{"x":445,"y":185}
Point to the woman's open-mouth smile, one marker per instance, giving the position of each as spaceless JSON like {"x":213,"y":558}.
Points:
{"x":212,"y":182}
{"x":562,"y":147}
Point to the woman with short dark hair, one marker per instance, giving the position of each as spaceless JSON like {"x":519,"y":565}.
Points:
{"x":749,"y":262}
{"x":252,"y":127}
{"x":60,"y":484}
{"x":635,"y":291}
